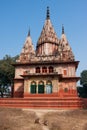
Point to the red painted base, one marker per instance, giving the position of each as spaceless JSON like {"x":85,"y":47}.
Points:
{"x":44,"y":102}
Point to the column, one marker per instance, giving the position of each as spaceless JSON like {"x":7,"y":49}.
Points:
{"x":36,"y":87}
{"x":29,"y":87}
{"x":44,"y":86}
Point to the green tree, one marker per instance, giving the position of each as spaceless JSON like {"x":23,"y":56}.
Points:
{"x":82,"y":90}
{"x":6,"y":74}
{"x":83,"y":80}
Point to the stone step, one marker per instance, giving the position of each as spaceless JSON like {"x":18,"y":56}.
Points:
{"x":46,"y":104}
{"x":40,"y":102}
{"x":42,"y":98}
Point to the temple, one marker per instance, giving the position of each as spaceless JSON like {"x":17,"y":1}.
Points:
{"x":50,"y":69}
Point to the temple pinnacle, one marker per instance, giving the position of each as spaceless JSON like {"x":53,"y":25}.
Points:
{"x":62,"y":29}
{"x":29,"y":32}
{"x":48,"y":13}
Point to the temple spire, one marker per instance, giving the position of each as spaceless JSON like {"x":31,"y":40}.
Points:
{"x":48,"y":13}
{"x":29,"y":32}
{"x":62,"y":29}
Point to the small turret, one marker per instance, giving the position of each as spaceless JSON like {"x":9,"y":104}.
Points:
{"x":28,"y":49}
{"x":65,"y":47}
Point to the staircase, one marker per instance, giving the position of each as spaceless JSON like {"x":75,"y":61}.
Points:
{"x":43,"y":102}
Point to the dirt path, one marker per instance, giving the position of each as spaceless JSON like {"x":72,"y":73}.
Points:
{"x":41,"y":112}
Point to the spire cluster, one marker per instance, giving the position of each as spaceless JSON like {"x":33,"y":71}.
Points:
{"x":48,"y":44}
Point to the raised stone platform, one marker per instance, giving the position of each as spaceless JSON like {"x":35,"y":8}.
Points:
{"x":44,"y":102}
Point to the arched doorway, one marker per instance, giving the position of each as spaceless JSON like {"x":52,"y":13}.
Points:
{"x":49,"y":87}
{"x":33,"y":87}
{"x":41,"y":87}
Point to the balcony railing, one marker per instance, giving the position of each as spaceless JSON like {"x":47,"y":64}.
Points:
{"x":28,"y":73}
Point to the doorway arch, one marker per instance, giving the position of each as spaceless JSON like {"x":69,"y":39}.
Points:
{"x":48,"y":87}
{"x":41,"y":87}
{"x":33,"y":87}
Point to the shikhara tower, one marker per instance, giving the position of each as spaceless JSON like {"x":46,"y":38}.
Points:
{"x":50,"y":70}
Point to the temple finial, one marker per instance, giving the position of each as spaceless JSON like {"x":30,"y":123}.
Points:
{"x":48,"y":13}
{"x":62,"y":29}
{"x":29,"y":32}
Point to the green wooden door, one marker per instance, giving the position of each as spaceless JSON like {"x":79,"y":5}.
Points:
{"x":41,"y":88}
{"x":33,"y":88}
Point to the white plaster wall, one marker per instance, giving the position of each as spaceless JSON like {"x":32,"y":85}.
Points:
{"x":70,"y":70}
{"x":20,"y":70}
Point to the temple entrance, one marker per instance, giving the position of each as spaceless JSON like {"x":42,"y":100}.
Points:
{"x":33,"y":87}
{"x":41,"y":87}
{"x":49,"y":87}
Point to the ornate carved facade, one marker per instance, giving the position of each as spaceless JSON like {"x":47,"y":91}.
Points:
{"x":50,"y":69}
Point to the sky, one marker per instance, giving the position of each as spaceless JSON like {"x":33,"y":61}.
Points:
{"x":17,"y":16}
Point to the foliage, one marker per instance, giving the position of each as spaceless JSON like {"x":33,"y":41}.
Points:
{"x":83,"y":80}
{"x":6,"y":73}
{"x":5,"y":91}
{"x":82,"y":90}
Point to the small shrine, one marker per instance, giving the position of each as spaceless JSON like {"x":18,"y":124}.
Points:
{"x":48,"y":70}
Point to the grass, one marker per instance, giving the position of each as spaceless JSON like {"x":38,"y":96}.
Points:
{"x":16,"y":119}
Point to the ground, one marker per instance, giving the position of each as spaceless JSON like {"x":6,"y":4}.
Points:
{"x":38,"y":119}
